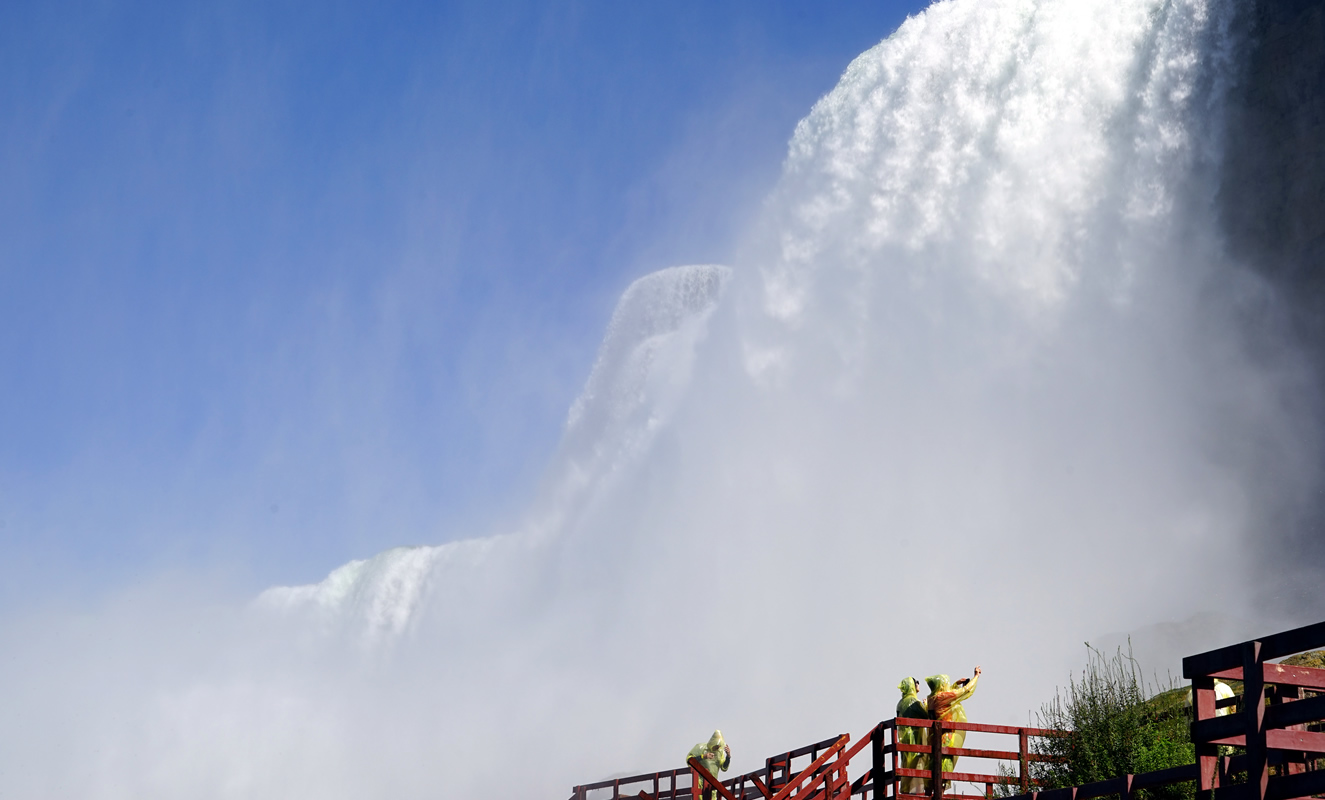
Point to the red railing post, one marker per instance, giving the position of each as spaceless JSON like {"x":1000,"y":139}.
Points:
{"x":1207,"y":755}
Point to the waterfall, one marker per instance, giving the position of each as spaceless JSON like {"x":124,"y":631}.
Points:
{"x":975,"y":388}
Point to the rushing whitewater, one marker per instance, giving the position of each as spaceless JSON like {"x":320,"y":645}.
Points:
{"x":981,"y":353}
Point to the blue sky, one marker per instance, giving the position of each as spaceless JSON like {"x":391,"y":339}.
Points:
{"x":283,"y":285}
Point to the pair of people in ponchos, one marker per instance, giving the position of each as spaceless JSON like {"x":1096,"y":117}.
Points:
{"x":945,"y":703}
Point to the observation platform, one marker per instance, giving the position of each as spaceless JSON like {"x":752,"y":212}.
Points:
{"x":1277,"y":743}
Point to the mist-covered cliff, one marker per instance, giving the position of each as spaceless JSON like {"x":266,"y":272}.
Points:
{"x":1272,"y":206}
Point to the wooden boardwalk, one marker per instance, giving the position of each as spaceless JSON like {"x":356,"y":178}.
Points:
{"x":1279,"y":734}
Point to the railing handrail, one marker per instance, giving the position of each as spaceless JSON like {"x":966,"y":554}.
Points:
{"x":647,"y":776}
{"x":823,"y":763}
{"x":1122,"y":785}
{"x":1277,"y":674}
{"x":806,"y":749}
{"x":708,"y":778}
{"x":980,"y":727}
{"x":1278,"y":645}
{"x":837,"y":746}
{"x":996,"y":755}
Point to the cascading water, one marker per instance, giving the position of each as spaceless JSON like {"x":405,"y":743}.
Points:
{"x":643,"y":363}
{"x":975,"y":390}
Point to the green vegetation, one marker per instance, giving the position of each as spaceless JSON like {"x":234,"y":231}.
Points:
{"x":1117,"y":724}
{"x":1316,"y":658}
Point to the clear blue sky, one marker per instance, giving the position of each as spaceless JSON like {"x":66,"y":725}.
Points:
{"x":286,"y":284}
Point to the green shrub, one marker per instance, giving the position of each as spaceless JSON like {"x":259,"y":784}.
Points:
{"x":1116,"y":724}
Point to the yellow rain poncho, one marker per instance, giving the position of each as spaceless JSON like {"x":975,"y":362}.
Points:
{"x":945,"y":703}
{"x":912,"y":707}
{"x":1222,"y":692}
{"x":716,"y":756}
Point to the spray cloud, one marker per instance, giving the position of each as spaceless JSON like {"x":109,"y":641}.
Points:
{"x":973,"y":391}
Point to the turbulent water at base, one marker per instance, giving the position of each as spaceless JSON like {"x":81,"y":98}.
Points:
{"x":974,"y":390}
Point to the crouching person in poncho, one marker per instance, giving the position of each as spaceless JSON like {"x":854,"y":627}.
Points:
{"x":716,"y":756}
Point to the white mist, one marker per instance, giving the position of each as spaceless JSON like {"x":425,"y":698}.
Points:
{"x":972,"y":392}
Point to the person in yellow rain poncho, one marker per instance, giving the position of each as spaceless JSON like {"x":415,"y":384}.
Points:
{"x":1222,"y":692}
{"x":945,"y":703}
{"x":912,"y":707}
{"x":716,"y":756}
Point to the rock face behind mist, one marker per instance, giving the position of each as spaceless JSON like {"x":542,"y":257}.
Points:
{"x":1274,"y":186}
{"x":1273,"y":212}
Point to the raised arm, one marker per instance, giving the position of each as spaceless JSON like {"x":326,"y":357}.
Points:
{"x":966,"y":689}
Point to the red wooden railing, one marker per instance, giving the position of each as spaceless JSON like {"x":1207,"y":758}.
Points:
{"x":1272,"y":723}
{"x":827,"y":775}
{"x":1280,"y":729}
{"x":1275,"y":725}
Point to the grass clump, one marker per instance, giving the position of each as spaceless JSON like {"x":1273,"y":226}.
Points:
{"x":1116,"y":723}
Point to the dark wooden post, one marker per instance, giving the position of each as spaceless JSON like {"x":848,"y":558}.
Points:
{"x":936,"y":760}
{"x":1023,"y":751}
{"x":897,"y":759}
{"x":877,"y":765}
{"x":1253,"y":710}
